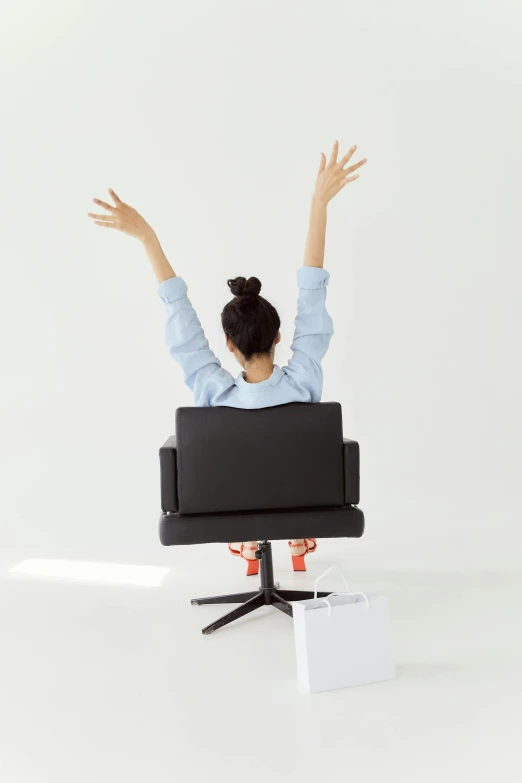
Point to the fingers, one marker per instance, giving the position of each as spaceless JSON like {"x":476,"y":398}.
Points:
{"x":101,"y":217}
{"x":106,"y":225}
{"x":103,"y":204}
{"x":355,"y":166}
{"x":348,"y":155}
{"x":322,"y":164}
{"x":347,"y":180}
{"x":117,"y":201}
{"x":116,"y":198}
{"x":113,"y":220}
{"x":333,"y":156}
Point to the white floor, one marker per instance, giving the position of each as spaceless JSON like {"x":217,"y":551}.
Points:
{"x":105,"y":682}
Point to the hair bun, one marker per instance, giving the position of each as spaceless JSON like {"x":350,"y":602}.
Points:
{"x":244,"y":288}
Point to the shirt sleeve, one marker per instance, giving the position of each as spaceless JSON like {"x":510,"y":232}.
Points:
{"x":188,"y":345}
{"x":313,"y":332}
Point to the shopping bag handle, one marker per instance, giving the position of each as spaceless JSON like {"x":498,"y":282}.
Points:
{"x":326,"y":601}
{"x":348,"y":591}
{"x":327,"y":572}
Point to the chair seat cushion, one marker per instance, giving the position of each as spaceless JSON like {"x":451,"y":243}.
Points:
{"x":341,"y":522}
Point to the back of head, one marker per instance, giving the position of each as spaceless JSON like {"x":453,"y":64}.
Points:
{"x":248,"y":320}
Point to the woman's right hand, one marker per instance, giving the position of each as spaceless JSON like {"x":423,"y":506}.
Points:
{"x":123,"y":218}
{"x":332,"y":177}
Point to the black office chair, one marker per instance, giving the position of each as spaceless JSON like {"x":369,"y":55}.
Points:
{"x":283,"y":472}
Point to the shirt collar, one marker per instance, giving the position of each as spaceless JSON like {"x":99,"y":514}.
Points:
{"x":261,"y":385}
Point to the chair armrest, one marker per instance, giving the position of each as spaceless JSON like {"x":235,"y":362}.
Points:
{"x":351,"y":471}
{"x":169,"y":475}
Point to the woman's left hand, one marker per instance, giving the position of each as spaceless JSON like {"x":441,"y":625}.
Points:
{"x":123,"y":218}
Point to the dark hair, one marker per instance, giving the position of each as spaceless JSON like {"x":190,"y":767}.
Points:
{"x":248,"y":320}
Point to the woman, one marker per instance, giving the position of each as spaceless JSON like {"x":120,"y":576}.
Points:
{"x":251,"y":324}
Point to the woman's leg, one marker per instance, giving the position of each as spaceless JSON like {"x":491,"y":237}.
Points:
{"x":299,"y":547}
{"x":297,"y":550}
{"x":250,"y":554}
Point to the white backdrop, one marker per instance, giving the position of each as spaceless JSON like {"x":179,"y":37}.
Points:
{"x":209,"y":118}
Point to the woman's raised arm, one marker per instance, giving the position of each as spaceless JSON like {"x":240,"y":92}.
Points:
{"x":313,"y":324}
{"x":184,"y":334}
{"x":331,"y":179}
{"x":128,"y":220}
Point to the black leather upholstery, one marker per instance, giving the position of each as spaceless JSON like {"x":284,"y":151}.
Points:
{"x":287,"y":456}
{"x":351,"y":471}
{"x":169,"y":475}
{"x":347,"y":521}
{"x":271,"y":473}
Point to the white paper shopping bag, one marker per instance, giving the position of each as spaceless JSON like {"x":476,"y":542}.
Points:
{"x":343,"y":640}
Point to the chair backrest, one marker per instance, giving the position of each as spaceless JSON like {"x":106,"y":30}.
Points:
{"x":233,"y":459}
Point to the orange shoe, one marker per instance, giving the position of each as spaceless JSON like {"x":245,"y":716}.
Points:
{"x":252,"y":565}
{"x":298,"y":561}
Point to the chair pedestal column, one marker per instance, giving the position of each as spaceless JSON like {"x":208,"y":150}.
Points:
{"x":267,"y":594}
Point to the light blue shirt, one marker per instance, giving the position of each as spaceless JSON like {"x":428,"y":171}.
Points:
{"x":301,"y":380}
